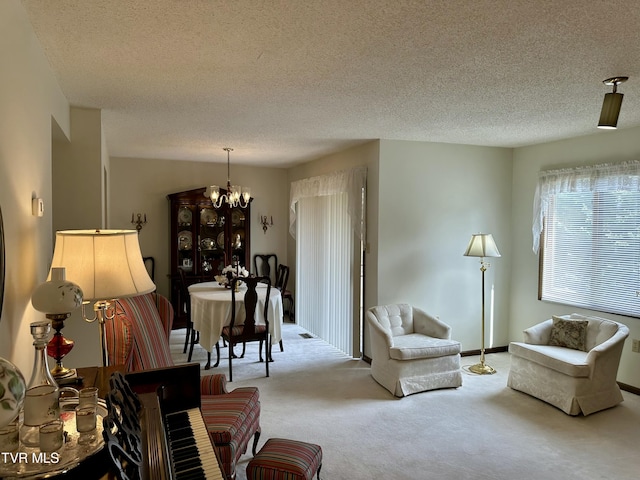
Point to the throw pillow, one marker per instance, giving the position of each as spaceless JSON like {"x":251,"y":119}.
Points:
{"x":569,"y":333}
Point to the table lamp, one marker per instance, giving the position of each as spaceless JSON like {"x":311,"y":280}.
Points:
{"x":107,"y":265}
{"x":57,"y":298}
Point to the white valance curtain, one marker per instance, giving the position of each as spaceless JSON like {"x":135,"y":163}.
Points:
{"x":351,"y":182}
{"x":605,"y":177}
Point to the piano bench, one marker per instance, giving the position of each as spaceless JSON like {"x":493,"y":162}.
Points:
{"x":281,"y":459}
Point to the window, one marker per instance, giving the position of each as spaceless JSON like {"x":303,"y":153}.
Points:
{"x":590,"y":251}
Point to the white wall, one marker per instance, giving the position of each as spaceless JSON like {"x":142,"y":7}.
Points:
{"x":526,"y":309}
{"x":30,"y":99}
{"x":433,"y":196}
{"x":78,"y":167}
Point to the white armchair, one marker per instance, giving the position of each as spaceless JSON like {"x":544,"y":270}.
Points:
{"x":411,"y":350}
{"x":576,"y":381}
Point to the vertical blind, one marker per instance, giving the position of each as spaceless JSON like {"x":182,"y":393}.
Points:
{"x":327,"y":218}
{"x":324,"y":252}
{"x":591,"y":237}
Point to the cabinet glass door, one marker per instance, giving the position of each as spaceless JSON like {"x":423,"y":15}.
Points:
{"x":237,"y":239}
{"x":211,"y":241}
{"x":185,"y":239}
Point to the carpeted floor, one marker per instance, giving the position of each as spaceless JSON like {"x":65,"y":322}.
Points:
{"x":482,"y":430}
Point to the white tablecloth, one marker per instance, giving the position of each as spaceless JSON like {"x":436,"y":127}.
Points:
{"x":211,"y":310}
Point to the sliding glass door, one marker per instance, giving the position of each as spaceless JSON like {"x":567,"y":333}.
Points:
{"x":327,"y":219}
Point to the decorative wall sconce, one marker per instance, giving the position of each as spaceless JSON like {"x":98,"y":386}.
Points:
{"x":139,"y":221}
{"x":266,"y":222}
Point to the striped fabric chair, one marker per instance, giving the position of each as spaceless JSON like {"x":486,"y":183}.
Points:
{"x":138,"y":339}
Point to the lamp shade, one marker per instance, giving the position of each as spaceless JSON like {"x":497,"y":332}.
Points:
{"x":482,"y":245}
{"x":106,"y":264}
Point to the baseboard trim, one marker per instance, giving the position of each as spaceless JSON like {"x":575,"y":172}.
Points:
{"x":469,"y":353}
{"x":629,"y":388}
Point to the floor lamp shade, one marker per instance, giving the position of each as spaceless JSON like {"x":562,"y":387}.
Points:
{"x":107,"y":264}
{"x":482,"y":245}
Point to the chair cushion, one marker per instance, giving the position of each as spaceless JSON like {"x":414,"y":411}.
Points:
{"x":416,"y":345}
{"x":228,"y":415}
{"x":239,"y":329}
{"x":569,"y":333}
{"x":231,"y":420}
{"x":282,"y":459}
{"x":564,"y":360}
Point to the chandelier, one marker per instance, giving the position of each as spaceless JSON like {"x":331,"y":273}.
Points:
{"x":236,"y":195}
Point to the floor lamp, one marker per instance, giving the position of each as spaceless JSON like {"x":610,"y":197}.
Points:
{"x":107,"y":265}
{"x":482,"y":245}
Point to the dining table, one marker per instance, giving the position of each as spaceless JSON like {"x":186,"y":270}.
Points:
{"x":211,"y":311}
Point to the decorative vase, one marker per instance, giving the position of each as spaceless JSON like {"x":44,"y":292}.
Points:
{"x":12,"y":391}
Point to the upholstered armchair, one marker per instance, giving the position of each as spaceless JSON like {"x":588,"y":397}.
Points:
{"x":411,"y":350}
{"x":138,"y":339}
{"x":570,"y":362}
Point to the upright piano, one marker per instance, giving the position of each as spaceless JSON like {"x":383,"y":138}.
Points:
{"x":174,"y":441}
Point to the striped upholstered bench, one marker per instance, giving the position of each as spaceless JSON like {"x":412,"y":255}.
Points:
{"x":281,"y":459}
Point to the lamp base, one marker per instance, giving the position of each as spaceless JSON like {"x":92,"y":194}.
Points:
{"x":59,"y":372}
{"x":482,"y":369}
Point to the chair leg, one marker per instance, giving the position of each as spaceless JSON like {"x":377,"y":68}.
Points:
{"x":244,"y":347}
{"x":281,"y":346}
{"x":260,"y":350}
{"x":208,"y":365}
{"x":195,"y":337}
{"x":230,"y":366}
{"x":268,"y":352}
{"x":256,"y":437}
{"x":186,"y":338}
{"x":217,"y":354}
{"x":292,"y":310}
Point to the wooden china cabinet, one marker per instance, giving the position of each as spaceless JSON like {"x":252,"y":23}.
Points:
{"x":203,"y":240}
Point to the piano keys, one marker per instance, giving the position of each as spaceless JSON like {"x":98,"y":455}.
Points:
{"x":193,"y":457}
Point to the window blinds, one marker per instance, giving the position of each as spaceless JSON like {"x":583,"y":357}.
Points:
{"x":591,"y":237}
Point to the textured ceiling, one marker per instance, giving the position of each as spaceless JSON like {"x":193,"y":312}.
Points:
{"x":286,"y":81}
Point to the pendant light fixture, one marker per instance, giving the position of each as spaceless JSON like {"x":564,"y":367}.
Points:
{"x":236,"y":195}
{"x":611,"y":104}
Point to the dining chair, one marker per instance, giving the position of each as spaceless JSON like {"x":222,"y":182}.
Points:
{"x":266,"y":265}
{"x":249,"y":331}
{"x":184,"y":305}
{"x":282,"y":280}
{"x":191,"y":337}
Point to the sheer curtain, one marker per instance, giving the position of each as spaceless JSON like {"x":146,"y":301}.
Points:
{"x":593,"y":178}
{"x":327,"y":220}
